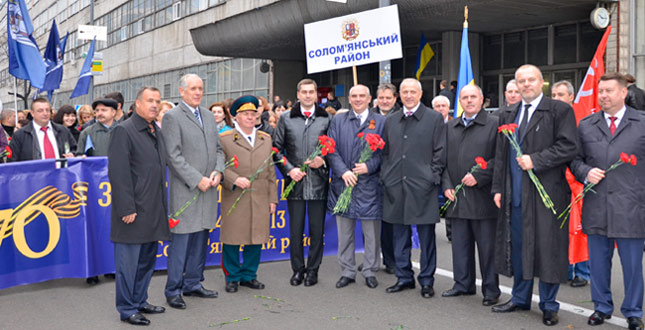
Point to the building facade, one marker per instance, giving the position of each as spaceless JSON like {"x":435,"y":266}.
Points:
{"x":230,"y":42}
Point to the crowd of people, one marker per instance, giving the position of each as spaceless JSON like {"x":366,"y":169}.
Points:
{"x":496,"y":209}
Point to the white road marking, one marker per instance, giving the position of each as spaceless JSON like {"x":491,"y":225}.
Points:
{"x":619,"y":321}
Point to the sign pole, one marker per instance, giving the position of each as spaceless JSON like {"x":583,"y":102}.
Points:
{"x":355,"y":75}
{"x":15,"y":100}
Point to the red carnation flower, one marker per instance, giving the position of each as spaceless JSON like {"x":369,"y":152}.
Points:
{"x":360,"y":135}
{"x":236,"y":162}
{"x":275,"y":150}
{"x":8,"y":151}
{"x":284,"y":160}
{"x":624,"y":157}
{"x":633,"y":160}
{"x":481,"y":162}
{"x":172,"y":223}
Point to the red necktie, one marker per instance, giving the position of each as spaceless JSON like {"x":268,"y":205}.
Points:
{"x":49,"y":148}
{"x":612,"y":126}
{"x":307,"y":114}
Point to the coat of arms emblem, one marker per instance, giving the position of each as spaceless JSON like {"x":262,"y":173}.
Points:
{"x":350,"y":30}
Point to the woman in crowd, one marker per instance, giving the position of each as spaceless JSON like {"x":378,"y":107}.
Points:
{"x":85,"y":114}
{"x":273,"y":119}
{"x":222,"y":117}
{"x":165,"y":106}
{"x":66,"y":116}
{"x":279,"y":108}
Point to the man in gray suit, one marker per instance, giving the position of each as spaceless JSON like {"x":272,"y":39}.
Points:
{"x":195,"y":160}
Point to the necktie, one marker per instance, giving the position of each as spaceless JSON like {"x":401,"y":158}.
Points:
{"x":151,"y":129}
{"x":467,"y":121}
{"x":199,"y":120}
{"x":49,"y":148}
{"x":612,"y":126}
{"x":307,"y":114}
{"x":408,"y":113}
{"x":250,"y":141}
{"x":525,"y":119}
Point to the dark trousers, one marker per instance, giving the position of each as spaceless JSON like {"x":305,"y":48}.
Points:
{"x":402,"y":236}
{"x":134,"y":265}
{"x":630,"y":250}
{"x":523,"y":289}
{"x":465,"y":234}
{"x":387,"y":246}
{"x":316,"y":212}
{"x":245,"y":272}
{"x":186,"y":262}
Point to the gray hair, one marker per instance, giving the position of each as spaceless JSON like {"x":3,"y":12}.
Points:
{"x":183,"y":81}
{"x":511,"y":82}
{"x":478,"y":88}
{"x":440,"y":98}
{"x":386,"y":86}
{"x":359,"y":85}
{"x":406,"y":80}
{"x":6,"y":113}
{"x":566,"y":83}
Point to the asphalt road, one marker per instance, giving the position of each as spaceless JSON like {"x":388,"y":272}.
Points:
{"x":72,"y":304}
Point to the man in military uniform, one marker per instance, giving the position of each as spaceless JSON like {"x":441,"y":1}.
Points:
{"x":248,"y":223}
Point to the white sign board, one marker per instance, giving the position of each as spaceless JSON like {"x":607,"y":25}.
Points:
{"x":88,"y":32}
{"x":366,"y":37}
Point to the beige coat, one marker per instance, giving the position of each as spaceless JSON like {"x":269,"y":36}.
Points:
{"x":249,"y":222}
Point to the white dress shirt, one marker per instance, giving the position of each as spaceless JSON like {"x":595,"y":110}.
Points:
{"x":619,"y":116}
{"x":361,"y":117}
{"x":41,"y":139}
{"x":533,"y":104}
{"x":413,"y":110}
{"x":193,"y":110}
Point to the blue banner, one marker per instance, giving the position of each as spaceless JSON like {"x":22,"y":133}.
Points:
{"x":55,"y":223}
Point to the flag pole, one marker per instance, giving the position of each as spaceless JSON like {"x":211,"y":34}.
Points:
{"x":465,"y":17}
{"x":15,"y":100}
{"x":355,"y":75}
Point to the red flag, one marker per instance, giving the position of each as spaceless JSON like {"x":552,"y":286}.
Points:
{"x":585,"y":104}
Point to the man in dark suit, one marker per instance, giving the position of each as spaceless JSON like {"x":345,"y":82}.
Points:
{"x":42,"y":139}
{"x":137,"y":171}
{"x":413,"y":160}
{"x":613,"y":216}
{"x":195,"y":161}
{"x":473,"y":216}
{"x":635,"y":96}
{"x":296,"y":137}
{"x":529,"y":241}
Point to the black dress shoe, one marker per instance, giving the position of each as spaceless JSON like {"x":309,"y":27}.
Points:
{"x":389,"y":270}
{"x":176,"y":302}
{"x":137,"y":319}
{"x":598,"y":318}
{"x":253,"y":284}
{"x":231,"y":287}
{"x":508,"y":307}
{"x":400,"y":286}
{"x":427,"y":291}
{"x":635,"y":323}
{"x":550,"y":318}
{"x":311,"y":279}
{"x":92,"y":280}
{"x":371,"y":282}
{"x":152,"y":309}
{"x":296,"y":278}
{"x":344,"y":281}
{"x":202,"y":293}
{"x":454,"y":293}
{"x":490,"y":301}
{"x":578,"y":282}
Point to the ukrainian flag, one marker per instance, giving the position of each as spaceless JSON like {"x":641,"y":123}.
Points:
{"x":465,"y":69}
{"x":424,"y":55}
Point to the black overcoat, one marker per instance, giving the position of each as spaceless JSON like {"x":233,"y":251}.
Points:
{"x":617,"y":209}
{"x":413,"y":160}
{"x":551,"y":142}
{"x":463,"y":144}
{"x":137,"y":172}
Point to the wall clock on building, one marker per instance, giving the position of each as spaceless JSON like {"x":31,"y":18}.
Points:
{"x":600,"y":18}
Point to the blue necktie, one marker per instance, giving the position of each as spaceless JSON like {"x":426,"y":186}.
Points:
{"x":196,"y":113}
{"x":467,"y":121}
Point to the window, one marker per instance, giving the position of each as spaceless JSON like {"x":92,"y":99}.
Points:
{"x":176,"y":11}
{"x":492,"y":52}
{"x":538,"y":46}
{"x":565,"y":44}
{"x":514,"y":49}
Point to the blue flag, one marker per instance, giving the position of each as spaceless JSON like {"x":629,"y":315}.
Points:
{"x":424,"y":55}
{"x":465,"y":69}
{"x":25,"y":61}
{"x":54,"y":54}
{"x":83,"y":83}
